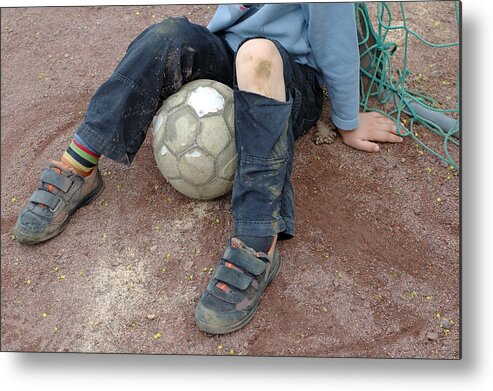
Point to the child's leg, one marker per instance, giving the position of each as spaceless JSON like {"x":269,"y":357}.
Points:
{"x":260,"y":99}
{"x":268,"y":103}
{"x":292,"y":104}
{"x":157,"y":63}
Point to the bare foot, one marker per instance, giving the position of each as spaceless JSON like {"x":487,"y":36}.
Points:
{"x":325,"y":133}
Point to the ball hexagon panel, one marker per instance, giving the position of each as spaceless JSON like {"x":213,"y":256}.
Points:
{"x":181,"y":130}
{"x":186,"y":188}
{"x":159,"y":128}
{"x":166,"y":162}
{"x":196,"y":166}
{"x":215,"y":187}
{"x":226,"y":162}
{"x":228,"y":117}
{"x":214,"y":135}
{"x":175,"y":101}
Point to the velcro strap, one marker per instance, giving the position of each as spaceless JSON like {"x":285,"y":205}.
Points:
{"x":46,"y":198}
{"x":53,"y":178}
{"x":233,"y":277}
{"x":232,"y":296}
{"x":244,"y":260}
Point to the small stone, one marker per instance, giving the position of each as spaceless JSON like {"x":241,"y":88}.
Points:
{"x":403,"y":160}
{"x":336,"y":283}
{"x":445,"y":324}
{"x":116,"y":262}
{"x":151,"y":316}
{"x":416,"y":211}
{"x":66,"y":55}
{"x":432,"y":336}
{"x":153,"y":248}
{"x":187,"y":265}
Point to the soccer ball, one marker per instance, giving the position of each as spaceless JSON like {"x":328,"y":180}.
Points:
{"x":193,"y":140}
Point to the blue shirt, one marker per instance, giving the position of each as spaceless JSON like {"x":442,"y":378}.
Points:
{"x":321,"y":35}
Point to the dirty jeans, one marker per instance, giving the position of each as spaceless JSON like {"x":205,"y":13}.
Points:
{"x":174,"y":52}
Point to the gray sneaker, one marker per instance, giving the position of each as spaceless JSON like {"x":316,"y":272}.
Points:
{"x":61,"y":192}
{"x":233,"y":294}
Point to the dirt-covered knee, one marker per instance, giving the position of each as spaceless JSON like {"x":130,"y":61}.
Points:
{"x":258,"y":58}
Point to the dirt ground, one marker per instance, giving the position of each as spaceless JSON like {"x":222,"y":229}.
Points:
{"x":373,"y":270}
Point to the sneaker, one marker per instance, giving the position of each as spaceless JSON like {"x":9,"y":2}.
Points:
{"x":233,"y":294}
{"x":61,"y":192}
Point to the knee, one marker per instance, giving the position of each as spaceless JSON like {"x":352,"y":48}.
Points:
{"x":164,"y":32}
{"x":258,"y":58}
{"x":170,"y":28}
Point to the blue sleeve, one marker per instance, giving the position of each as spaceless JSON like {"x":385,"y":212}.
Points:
{"x":225,"y":16}
{"x":334,"y":43}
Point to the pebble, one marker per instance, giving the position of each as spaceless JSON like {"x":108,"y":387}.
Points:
{"x":445,"y":323}
{"x":116,"y":262}
{"x":403,"y":160}
{"x":66,"y":55}
{"x":432,"y":336}
{"x":187,"y":265}
{"x":151,"y":316}
{"x":153,"y":248}
{"x":416,"y":211}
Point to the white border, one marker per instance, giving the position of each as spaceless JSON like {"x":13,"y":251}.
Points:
{"x":473,"y":372}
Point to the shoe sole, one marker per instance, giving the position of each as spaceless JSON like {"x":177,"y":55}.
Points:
{"x":24,"y":239}
{"x":245,"y":321}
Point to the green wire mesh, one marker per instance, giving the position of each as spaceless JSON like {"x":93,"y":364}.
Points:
{"x":383,"y":83}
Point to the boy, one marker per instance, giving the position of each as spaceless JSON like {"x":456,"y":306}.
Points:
{"x":273,"y":56}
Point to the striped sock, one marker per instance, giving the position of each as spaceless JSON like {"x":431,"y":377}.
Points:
{"x":81,"y":157}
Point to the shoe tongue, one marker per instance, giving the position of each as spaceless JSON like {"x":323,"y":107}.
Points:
{"x":257,"y":243}
{"x":59,"y":166}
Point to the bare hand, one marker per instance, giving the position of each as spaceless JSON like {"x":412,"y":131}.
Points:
{"x":372,"y":127}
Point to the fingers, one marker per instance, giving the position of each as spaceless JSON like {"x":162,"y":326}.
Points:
{"x":387,"y":126}
{"x":386,"y":131}
{"x":373,"y":121}
{"x":386,"y":137}
{"x":366,"y":146}
{"x":374,"y":127}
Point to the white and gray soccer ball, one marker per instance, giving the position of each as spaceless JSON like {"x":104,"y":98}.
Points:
{"x":193,"y":140}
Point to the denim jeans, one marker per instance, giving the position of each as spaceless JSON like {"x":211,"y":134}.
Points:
{"x":174,"y":52}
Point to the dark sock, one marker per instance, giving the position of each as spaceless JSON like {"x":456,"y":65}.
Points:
{"x":258,"y":243}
